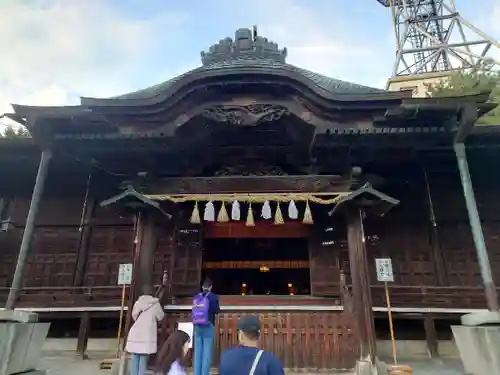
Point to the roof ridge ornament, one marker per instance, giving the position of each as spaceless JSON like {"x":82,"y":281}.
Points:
{"x":247,"y":45}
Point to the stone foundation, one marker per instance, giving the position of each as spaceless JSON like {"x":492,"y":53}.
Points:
{"x":20,"y":345}
{"x":479,"y":348}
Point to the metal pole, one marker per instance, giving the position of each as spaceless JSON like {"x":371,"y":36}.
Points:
{"x":477,"y":231}
{"x":29,"y":229}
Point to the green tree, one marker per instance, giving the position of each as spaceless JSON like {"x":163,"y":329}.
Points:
{"x":18,"y":132}
{"x":462,"y":83}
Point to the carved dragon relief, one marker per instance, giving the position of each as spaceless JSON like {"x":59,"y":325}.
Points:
{"x":248,"y":115}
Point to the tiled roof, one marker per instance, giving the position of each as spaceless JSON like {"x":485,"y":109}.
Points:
{"x":332,"y":85}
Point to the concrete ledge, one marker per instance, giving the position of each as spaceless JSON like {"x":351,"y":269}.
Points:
{"x":481,"y":317}
{"x":479,"y":348}
{"x":18,"y":316}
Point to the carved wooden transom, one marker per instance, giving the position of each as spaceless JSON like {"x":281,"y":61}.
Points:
{"x":248,"y":115}
{"x":250,"y":169}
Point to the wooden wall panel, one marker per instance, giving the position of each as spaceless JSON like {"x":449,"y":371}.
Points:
{"x":301,"y":340}
{"x":324,"y":259}
{"x":109,"y":246}
{"x":52,"y":260}
{"x":459,"y":254}
{"x":9,"y":248}
{"x":407,"y":243}
{"x":112,"y":216}
{"x":491,"y":231}
{"x":186,"y":273}
{"x":54,"y":211}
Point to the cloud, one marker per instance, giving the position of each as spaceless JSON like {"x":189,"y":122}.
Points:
{"x":53,"y":51}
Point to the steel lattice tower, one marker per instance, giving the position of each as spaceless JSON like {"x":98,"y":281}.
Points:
{"x":432,"y":36}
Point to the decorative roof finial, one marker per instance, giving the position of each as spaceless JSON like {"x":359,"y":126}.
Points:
{"x":247,"y":45}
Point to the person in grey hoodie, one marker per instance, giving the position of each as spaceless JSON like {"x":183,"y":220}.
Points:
{"x":142,"y":337}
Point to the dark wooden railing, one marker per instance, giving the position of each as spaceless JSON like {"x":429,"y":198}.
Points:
{"x":462,"y":297}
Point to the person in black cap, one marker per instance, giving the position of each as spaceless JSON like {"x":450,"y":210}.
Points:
{"x":247,"y":358}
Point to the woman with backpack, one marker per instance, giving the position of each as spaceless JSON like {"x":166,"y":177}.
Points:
{"x":142,"y":337}
{"x":205,"y":308}
{"x":169,"y":358}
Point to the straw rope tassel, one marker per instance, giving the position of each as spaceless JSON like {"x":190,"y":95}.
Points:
{"x":195,"y":215}
{"x":250,"y":221}
{"x":278,"y":216}
{"x":223,"y":216}
{"x":307,"y":215}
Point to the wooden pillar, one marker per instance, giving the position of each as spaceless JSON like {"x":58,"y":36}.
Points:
{"x":83,"y":335}
{"x":431,"y":336}
{"x":361,"y":292}
{"x":145,"y":241}
{"x":148,"y":246}
{"x":84,"y":246}
{"x":29,"y":229}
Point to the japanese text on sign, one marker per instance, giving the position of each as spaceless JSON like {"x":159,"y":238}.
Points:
{"x":125,"y":274}
{"x":384,"y":269}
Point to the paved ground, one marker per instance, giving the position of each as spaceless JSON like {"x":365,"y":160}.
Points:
{"x":68,"y":364}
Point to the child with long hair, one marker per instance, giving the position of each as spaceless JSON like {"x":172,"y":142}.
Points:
{"x":168,"y":359}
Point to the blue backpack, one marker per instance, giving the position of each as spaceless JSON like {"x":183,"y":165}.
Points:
{"x":201,"y":309}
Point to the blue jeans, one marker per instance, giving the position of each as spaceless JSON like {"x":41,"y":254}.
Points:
{"x":138,"y":364}
{"x":203,"y":348}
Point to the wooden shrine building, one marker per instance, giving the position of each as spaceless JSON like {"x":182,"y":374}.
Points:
{"x":280,"y":184}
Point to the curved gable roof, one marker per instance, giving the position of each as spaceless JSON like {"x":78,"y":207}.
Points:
{"x":332,"y":85}
{"x":247,"y":54}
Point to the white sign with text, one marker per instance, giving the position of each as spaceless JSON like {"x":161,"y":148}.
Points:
{"x":384,"y":270}
{"x":125,"y":274}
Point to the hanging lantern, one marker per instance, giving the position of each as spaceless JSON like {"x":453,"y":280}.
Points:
{"x":278,"y":216}
{"x":293,"y":213}
{"x":209,"y":214}
{"x":307,"y":215}
{"x":195,"y":215}
{"x":235,"y":211}
{"x":250,"y":221}
{"x":223,"y":216}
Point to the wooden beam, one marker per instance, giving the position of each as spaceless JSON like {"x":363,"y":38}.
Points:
{"x":251,"y":184}
{"x":84,"y":246}
{"x":467,"y":121}
{"x":83,"y":335}
{"x":262,"y":229}
{"x":437,"y":254}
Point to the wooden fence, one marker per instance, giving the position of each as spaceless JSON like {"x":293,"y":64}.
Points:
{"x":302,"y":340}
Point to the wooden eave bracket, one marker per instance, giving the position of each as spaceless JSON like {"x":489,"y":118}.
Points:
{"x":468,"y":117}
{"x":364,"y":198}
{"x":131,"y":197}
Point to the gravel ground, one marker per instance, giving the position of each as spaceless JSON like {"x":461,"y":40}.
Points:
{"x":68,"y":364}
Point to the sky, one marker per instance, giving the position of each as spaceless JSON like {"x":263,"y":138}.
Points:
{"x":54,"y":51}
